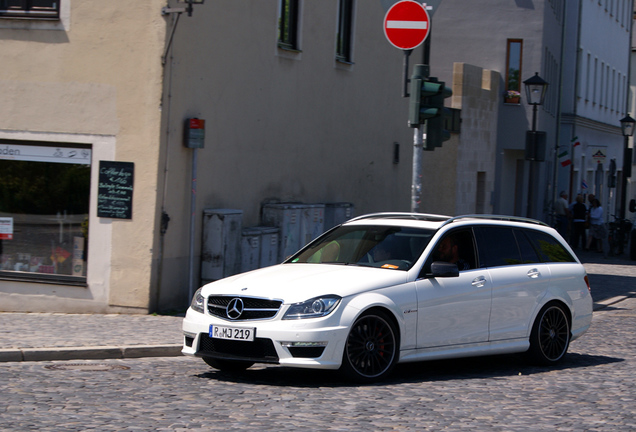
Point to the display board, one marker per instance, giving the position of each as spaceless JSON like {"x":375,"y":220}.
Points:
{"x":115,"y":190}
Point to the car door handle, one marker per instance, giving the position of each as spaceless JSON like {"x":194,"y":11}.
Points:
{"x":479,"y":282}
{"x":534,"y":273}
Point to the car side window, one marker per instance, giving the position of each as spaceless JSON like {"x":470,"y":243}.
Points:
{"x":497,"y":246}
{"x":549,"y":248}
{"x":528,"y":252}
{"x":457,"y":247}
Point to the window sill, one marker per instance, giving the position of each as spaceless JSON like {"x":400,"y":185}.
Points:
{"x":344,"y":61}
{"x":289,"y":49}
{"x":18,"y":276}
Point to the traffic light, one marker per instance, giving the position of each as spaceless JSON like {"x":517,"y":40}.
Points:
{"x":422,"y":88}
{"x":427,"y":106}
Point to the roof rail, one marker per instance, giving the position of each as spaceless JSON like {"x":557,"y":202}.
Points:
{"x":496,"y":217}
{"x":403,"y":215}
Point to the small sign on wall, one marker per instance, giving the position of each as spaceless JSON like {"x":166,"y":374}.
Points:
{"x":6,"y":228}
{"x":194,"y":133}
{"x":115,"y":190}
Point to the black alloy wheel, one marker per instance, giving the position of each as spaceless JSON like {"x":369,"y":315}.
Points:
{"x":550,"y":335}
{"x":372,"y":347}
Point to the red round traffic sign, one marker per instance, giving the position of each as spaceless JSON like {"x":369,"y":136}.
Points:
{"x":406,"y":24}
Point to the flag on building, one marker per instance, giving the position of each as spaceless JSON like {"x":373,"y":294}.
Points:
{"x":564,"y":158}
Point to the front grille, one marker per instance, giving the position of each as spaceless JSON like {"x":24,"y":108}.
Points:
{"x":254,"y":308}
{"x":261,"y":350}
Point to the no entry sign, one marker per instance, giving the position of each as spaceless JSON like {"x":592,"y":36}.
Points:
{"x":406,"y":24}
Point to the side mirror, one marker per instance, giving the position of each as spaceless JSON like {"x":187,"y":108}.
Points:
{"x":444,"y":269}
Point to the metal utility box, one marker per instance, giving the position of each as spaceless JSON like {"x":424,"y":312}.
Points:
{"x":250,"y":249}
{"x":221,"y":244}
{"x":287,"y":218}
{"x":269,"y":246}
{"x":337,"y":213}
{"x":313,"y":222}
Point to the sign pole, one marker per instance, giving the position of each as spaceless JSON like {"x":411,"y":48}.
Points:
{"x":405,"y":77}
{"x":407,"y":26}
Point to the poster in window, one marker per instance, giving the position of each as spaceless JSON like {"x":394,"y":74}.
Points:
{"x":115,"y":190}
{"x":6,"y":228}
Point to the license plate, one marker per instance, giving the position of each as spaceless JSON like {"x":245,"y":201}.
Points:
{"x":232,"y":333}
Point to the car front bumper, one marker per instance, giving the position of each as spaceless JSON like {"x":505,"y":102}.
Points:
{"x":311,"y":343}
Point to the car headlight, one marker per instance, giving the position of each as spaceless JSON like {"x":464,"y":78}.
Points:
{"x":314,"y":308}
{"x":197,"y":301}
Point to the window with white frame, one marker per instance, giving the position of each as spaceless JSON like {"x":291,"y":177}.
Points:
{"x":44,"y":208}
{"x":37,"y":9}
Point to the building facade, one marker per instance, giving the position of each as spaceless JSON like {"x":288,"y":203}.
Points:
{"x":588,"y":75}
{"x":299,"y":101}
{"x":121,"y":157}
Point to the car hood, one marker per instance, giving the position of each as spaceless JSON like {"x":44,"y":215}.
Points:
{"x":295,"y":283}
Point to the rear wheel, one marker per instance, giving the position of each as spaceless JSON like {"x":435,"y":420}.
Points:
{"x":550,"y":335}
{"x":227,"y":365}
{"x":371,"y":350}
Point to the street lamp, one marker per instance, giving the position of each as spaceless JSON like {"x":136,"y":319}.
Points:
{"x":536,"y":88}
{"x":627,"y":127}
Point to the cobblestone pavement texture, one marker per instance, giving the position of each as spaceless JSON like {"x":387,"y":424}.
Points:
{"x":594,"y":389}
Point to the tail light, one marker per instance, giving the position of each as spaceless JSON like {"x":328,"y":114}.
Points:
{"x":587,"y":281}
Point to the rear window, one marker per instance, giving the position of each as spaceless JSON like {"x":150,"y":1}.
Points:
{"x":503,"y":246}
{"x":497,"y":246}
{"x":549,"y":248}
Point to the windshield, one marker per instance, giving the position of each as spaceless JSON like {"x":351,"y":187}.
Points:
{"x":389,"y":247}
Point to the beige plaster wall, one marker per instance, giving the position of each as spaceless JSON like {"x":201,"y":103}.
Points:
{"x":280,"y":125}
{"x":451,"y":184}
{"x":97,"y":75}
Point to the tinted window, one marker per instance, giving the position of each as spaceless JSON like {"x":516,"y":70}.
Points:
{"x":528,"y":252}
{"x":549,"y":248}
{"x":456,"y":247}
{"x":497,"y":247}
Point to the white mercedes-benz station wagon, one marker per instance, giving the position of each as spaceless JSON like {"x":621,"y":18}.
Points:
{"x":387,"y":288}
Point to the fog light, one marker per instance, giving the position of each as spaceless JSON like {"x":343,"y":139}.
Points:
{"x":305,"y":349}
{"x":303,"y":344}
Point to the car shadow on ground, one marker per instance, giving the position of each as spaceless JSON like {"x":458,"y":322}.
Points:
{"x":605,"y":287}
{"x":502,"y":366}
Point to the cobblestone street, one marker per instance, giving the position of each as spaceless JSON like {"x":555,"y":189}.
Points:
{"x":594,"y":389}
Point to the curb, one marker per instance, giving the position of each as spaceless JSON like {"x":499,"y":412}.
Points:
{"x":89,"y":353}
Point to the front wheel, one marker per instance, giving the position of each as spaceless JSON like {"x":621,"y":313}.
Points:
{"x":372,"y":348}
{"x":550,"y":335}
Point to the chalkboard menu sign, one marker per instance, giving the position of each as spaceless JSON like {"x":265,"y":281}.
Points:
{"x":114,"y":199}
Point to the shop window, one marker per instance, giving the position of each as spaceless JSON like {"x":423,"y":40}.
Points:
{"x":44,"y":207}
{"x":513,"y":71}
{"x":40,"y":9}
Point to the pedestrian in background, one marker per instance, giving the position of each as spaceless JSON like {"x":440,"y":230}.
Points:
{"x":597,"y":231}
{"x":579,"y":214}
{"x":562,"y":214}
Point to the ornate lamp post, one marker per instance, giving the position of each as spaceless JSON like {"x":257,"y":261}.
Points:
{"x":627,"y":127}
{"x":536,"y":88}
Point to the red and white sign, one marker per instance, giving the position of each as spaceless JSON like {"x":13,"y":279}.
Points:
{"x":6,"y":228}
{"x":407,"y":24}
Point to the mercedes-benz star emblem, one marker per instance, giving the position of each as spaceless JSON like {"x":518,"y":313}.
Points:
{"x":234,"y":308}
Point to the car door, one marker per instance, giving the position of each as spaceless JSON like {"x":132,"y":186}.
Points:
{"x":519,"y":279}
{"x":453,"y":310}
